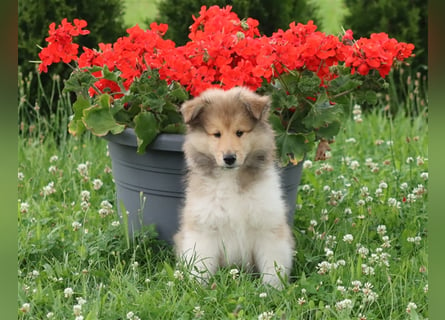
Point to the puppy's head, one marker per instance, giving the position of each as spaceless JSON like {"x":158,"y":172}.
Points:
{"x":226,"y":127}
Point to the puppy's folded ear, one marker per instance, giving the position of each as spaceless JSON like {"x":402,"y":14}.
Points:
{"x":191,"y":109}
{"x":258,"y":106}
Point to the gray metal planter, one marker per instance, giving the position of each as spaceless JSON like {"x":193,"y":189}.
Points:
{"x":159,"y":175}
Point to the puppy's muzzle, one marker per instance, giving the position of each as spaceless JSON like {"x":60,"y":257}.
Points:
{"x":229,"y":159}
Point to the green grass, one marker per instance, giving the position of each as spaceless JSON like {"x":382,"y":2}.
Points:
{"x":65,"y":243}
{"x":139,"y":12}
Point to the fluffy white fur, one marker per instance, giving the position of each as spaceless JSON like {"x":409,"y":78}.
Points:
{"x":233,"y":215}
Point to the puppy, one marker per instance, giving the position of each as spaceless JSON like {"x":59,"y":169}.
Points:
{"x":233,"y":211}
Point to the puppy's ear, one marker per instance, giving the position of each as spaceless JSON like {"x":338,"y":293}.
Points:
{"x":258,"y":106}
{"x":191,"y":109}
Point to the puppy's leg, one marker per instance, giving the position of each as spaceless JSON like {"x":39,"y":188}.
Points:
{"x":273,"y":254}
{"x":201,"y":253}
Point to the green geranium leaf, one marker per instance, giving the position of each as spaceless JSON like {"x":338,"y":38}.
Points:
{"x":79,"y":82}
{"x":367,"y":96}
{"x":292,"y":147}
{"x":146,"y":128}
{"x":322,"y":113}
{"x":343,"y":83}
{"x":179,"y":128}
{"x":329,"y":131}
{"x":179,"y":94}
{"x":76,"y":125}
{"x":99,"y":118}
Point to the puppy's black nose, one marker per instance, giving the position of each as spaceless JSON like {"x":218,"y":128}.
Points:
{"x":229,"y":159}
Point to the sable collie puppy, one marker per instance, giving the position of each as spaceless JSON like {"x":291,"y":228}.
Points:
{"x":233,"y":211}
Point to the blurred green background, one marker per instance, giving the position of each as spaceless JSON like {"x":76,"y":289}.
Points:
{"x":25,"y":23}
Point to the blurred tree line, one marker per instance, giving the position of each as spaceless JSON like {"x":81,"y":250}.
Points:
{"x":403,"y":20}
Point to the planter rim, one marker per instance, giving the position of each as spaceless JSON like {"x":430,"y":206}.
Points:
{"x":163,"y":142}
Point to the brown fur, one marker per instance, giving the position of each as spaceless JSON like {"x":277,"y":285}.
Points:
{"x":226,"y":113}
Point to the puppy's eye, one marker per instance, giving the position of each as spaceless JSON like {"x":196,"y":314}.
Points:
{"x":217,"y":135}
{"x":239,"y":133}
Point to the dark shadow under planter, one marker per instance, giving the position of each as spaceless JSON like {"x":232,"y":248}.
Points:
{"x":158,"y":175}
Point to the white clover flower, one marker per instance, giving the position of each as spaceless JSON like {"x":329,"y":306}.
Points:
{"x":263,"y":295}
{"x":404,"y":186}
{"x":339,"y":263}
{"x":348,"y":211}
{"x":82,"y":168}
{"x":48,"y":189}
{"x":68,"y":292}
{"x":50,"y":315}
{"x":425,"y":288}
{"x":84,"y":205}
{"x":331,"y":241}
{"x":354,"y":164}
{"x":420,"y":160}
{"x":198,"y":312}
{"x":76,"y":225}
{"x":35,"y":273}
{"x":329,"y":253}
{"x":179,"y":275}
{"x":20,"y":176}
{"x":393,"y":203}
{"x":378,"y":142}
{"x":409,"y":160}
{"x":362,"y":251}
{"x":53,"y":158}
{"x":307,"y":164}
{"x":97,"y":184}
{"x":85,"y":195}
{"x":78,"y":318}
{"x":361,"y":203}
{"x":342,"y":289}
{"x":81,"y":301}
{"x":345,"y":304}
{"x":301,"y":301}
{"x":24,"y":207}
{"x":306,"y":188}
{"x":389,"y":143}
{"x":326,"y":188}
{"x":115,"y":223}
{"x":313,"y":223}
{"x":130,"y":315}
{"x":106,"y":208}
{"x":357,"y":285}
{"x":52,"y":169}
{"x":267,"y":315}
{"x":77,"y":309}
{"x":416,"y":240}
{"x":378,"y":192}
{"x":234,"y":273}
{"x":424,"y":175}
{"x":324,"y":267}
{"x":383,"y":185}
{"x":25,"y":307}
{"x":410,"y":307}
{"x":381,"y":229}
{"x":367,"y":270}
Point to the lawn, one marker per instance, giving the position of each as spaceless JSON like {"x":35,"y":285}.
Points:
{"x":360,"y":232}
{"x":138,"y":12}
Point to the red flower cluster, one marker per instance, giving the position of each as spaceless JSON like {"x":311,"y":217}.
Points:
{"x":223,"y":51}
{"x":301,"y":47}
{"x":378,"y":52}
{"x":131,"y":55}
{"x":60,"y":45}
